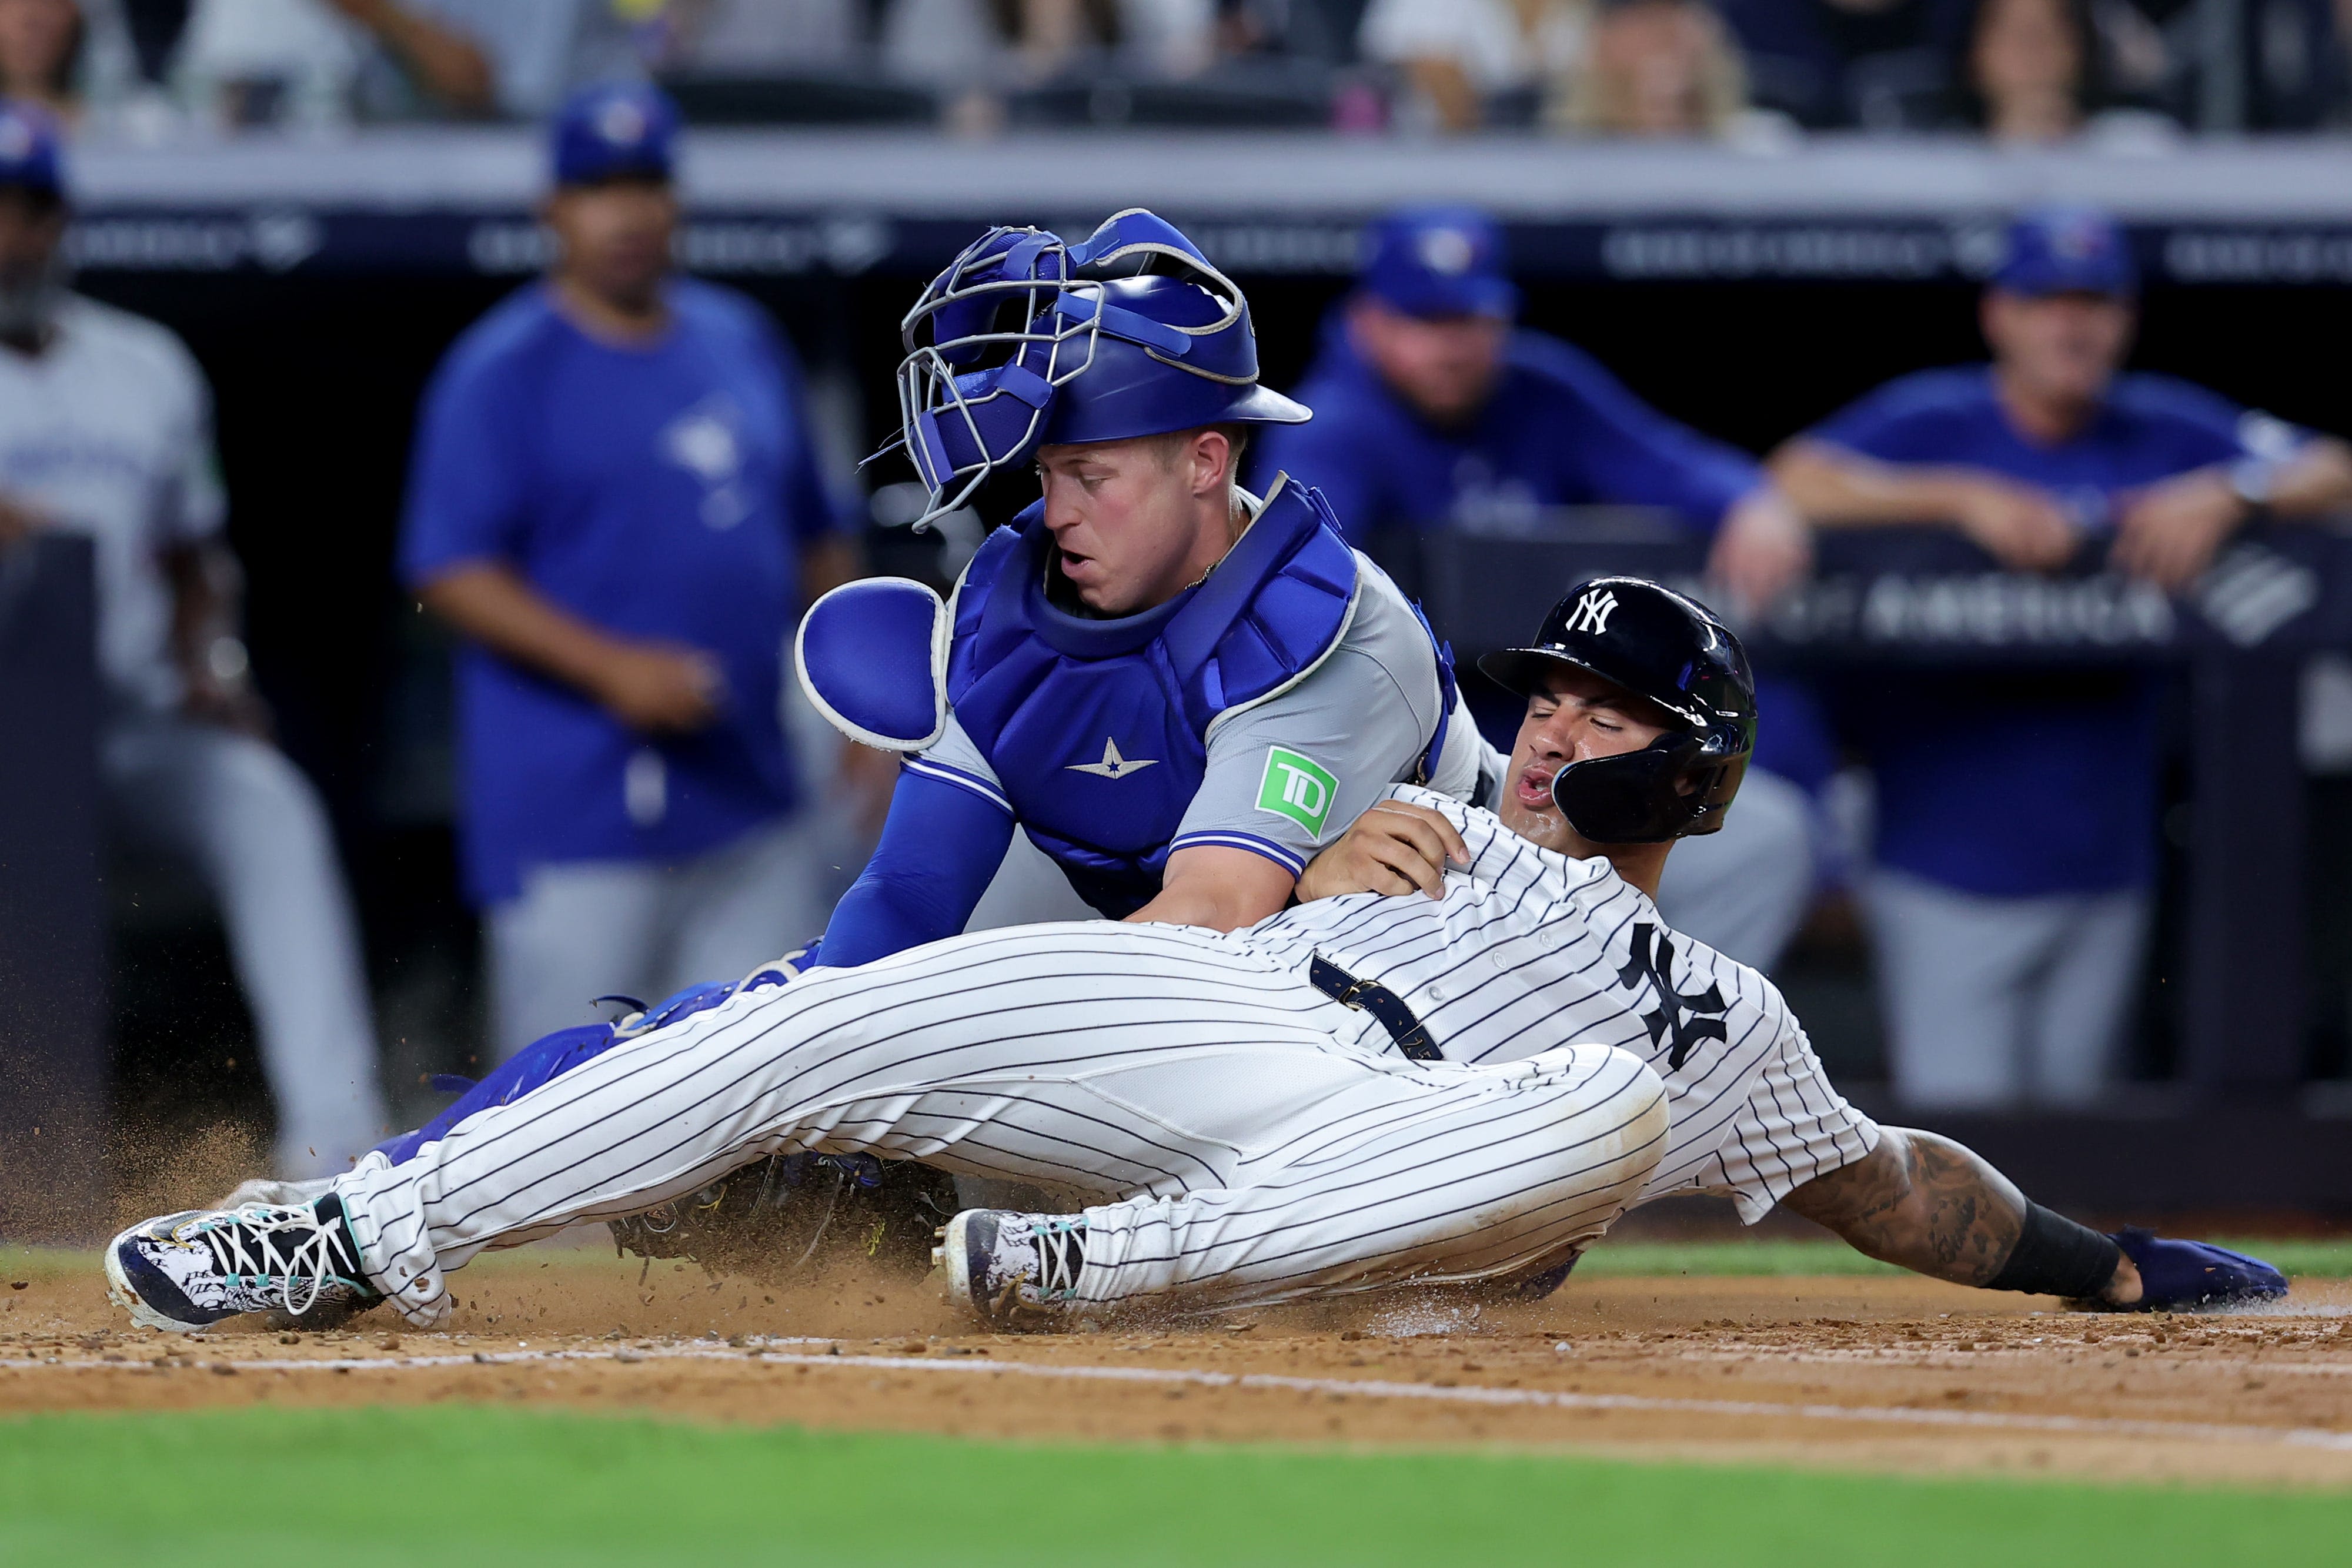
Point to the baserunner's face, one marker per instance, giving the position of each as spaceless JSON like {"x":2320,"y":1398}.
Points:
{"x":1579,"y":717}
{"x":1123,"y":513}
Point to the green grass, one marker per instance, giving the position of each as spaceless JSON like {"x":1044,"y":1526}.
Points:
{"x":367,"y":1486}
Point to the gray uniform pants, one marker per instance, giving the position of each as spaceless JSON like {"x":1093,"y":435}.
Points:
{"x":251,"y":825}
{"x":1993,"y":1002}
{"x":645,"y":928}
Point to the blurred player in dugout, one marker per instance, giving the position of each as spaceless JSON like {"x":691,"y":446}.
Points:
{"x":614,"y":498}
{"x":1431,"y":411}
{"x":106,"y":431}
{"x":2016,"y":816}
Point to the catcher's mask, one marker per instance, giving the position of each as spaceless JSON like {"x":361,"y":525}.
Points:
{"x":1674,"y":651}
{"x":1027,"y":340}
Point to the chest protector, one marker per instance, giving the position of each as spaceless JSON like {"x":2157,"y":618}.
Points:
{"x":1098,"y":729}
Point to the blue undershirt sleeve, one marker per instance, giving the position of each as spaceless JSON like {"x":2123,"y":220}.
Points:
{"x":941,"y":847}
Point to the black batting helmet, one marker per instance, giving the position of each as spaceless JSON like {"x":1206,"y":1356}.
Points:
{"x":1674,"y":651}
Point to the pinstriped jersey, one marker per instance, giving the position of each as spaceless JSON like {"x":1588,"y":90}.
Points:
{"x":1529,"y":950}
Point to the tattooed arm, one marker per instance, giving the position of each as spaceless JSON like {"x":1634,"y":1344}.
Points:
{"x":1929,"y":1204}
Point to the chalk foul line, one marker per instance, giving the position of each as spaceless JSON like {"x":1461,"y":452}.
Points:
{"x":1341,"y":1387}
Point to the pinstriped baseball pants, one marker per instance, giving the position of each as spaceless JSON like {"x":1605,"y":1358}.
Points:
{"x":1246,"y":1149}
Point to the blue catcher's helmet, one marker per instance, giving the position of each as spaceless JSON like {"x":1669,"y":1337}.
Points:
{"x":1027,"y":340}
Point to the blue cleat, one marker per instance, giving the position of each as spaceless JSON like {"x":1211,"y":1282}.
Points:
{"x":2182,"y":1276}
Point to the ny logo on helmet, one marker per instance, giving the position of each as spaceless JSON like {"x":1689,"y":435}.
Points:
{"x":1593,"y":613}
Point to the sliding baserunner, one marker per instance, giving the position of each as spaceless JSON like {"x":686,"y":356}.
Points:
{"x":1266,"y":1113}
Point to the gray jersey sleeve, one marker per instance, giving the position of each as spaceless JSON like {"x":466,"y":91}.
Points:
{"x":952,"y":758}
{"x":1285,"y":777}
{"x":1467,"y":767}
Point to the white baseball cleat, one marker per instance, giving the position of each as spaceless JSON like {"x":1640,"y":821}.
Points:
{"x":182,"y":1272}
{"x":1011,"y":1270}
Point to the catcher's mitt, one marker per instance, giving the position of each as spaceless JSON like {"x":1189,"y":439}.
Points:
{"x":791,"y":1217}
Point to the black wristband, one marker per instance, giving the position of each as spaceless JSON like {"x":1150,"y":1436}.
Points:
{"x":2056,"y":1256}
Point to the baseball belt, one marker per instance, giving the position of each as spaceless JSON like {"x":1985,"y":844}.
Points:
{"x":1411,"y":1035}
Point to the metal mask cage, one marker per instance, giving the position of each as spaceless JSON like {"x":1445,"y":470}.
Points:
{"x":1010,"y":322}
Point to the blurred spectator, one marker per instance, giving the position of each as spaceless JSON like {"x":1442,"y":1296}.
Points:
{"x":1458,"y":57}
{"x":514,"y":58}
{"x":747,"y":37}
{"x":313,"y":62}
{"x":995,"y":43}
{"x":1655,"y":68}
{"x":1878,"y":64}
{"x":106,"y":431}
{"x":2264,"y":65}
{"x":2016,"y":816}
{"x":74,"y":58}
{"x":2029,"y":62}
{"x":270,"y":62}
{"x":973,"y":51}
{"x":1431,"y":412}
{"x":41,"y":42}
{"x":614,"y":498}
{"x":1322,"y":30}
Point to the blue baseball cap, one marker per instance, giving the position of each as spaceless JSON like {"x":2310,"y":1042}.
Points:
{"x":615,"y":130}
{"x":1440,"y":261}
{"x":2067,"y":250}
{"x":29,"y":158}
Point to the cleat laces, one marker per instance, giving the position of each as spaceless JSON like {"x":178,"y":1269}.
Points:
{"x":247,"y":1249}
{"x":1061,"y":1254}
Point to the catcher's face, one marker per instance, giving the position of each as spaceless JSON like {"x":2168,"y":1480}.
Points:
{"x":1137,"y":521}
{"x":1578,"y":717}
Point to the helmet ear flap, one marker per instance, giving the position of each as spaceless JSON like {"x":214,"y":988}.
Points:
{"x":1716,"y":787}
{"x":1678,"y":785}
{"x":1633,"y":798}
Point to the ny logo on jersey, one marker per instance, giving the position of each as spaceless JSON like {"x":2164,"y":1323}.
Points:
{"x":1592,"y":612}
{"x":1113,"y":766}
{"x":1652,"y":964}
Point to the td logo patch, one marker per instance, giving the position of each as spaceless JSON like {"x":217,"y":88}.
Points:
{"x":1294,"y":787}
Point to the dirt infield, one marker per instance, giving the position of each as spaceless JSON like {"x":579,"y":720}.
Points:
{"x":1874,"y":1373}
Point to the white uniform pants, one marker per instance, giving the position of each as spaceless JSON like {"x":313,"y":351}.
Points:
{"x":1744,"y":890}
{"x":253,"y":828}
{"x":584,"y":929}
{"x":1195,"y":1086}
{"x":1993,"y":1002}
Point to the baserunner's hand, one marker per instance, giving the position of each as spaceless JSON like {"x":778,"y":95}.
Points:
{"x":1395,"y":847}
